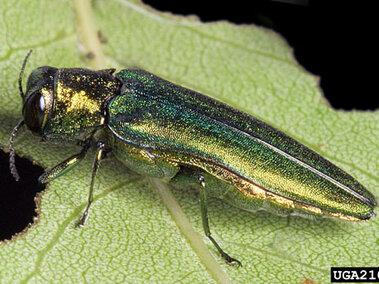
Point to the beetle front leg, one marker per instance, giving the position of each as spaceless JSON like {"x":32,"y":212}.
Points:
{"x":204,"y":216}
{"x":64,"y":166}
{"x":96,"y":164}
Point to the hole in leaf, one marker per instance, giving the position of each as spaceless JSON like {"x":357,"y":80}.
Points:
{"x":17,"y":205}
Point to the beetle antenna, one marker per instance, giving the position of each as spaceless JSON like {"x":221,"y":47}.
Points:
{"x":21,"y":73}
{"x":12,"y":154}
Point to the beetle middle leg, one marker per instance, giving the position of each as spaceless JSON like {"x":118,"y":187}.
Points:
{"x":100,"y":148}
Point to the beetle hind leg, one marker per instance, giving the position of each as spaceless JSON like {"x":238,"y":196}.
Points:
{"x":204,"y":216}
{"x":206,"y":184}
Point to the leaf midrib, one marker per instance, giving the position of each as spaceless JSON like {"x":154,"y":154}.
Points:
{"x":91,"y":43}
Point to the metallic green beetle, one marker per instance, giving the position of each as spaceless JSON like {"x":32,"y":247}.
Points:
{"x":163,"y":130}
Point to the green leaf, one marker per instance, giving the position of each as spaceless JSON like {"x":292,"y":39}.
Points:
{"x":138,"y":230}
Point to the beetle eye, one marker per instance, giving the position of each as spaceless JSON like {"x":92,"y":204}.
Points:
{"x":34,"y":110}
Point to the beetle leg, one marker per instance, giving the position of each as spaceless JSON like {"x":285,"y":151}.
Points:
{"x":96,"y":163}
{"x":204,"y":216}
{"x":64,"y":166}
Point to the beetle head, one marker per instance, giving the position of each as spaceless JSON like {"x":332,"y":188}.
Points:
{"x":38,"y":99}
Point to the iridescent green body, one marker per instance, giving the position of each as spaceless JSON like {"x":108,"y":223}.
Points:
{"x":163,"y":130}
{"x":186,"y":128}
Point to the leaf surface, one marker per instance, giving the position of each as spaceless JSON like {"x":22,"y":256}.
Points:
{"x":134,"y":234}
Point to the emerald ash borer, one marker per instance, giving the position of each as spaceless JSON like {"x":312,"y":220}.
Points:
{"x":162,"y":130}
